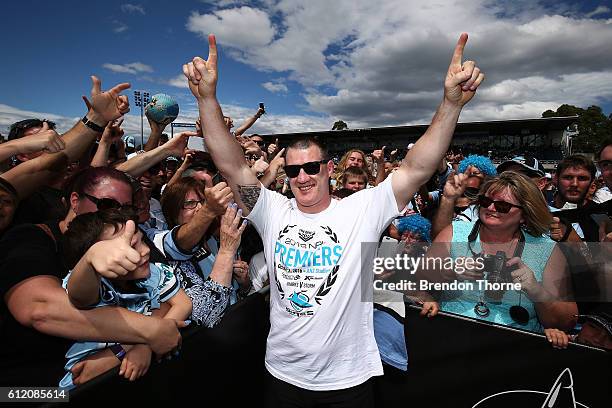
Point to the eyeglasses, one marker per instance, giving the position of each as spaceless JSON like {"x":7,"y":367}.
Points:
{"x":191,"y":204}
{"x":500,"y":206}
{"x":310,"y":168}
{"x":605,"y":165}
{"x":108,"y":203}
{"x":251,"y":157}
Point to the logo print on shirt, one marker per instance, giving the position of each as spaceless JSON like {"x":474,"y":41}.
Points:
{"x":306,"y":266}
{"x":306,"y":235}
{"x":299,"y":301}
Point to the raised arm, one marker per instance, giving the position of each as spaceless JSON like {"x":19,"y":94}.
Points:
{"x":142,"y":162}
{"x":190,"y":234}
{"x":105,"y":107}
{"x":462,"y":80}
{"x":226,"y":152}
{"x":109,"y":258}
{"x":156,"y":132}
{"x":249,"y":122}
{"x":46,"y":140}
{"x":112,"y":134}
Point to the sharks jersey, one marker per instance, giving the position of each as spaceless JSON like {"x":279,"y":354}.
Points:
{"x":321,"y":335}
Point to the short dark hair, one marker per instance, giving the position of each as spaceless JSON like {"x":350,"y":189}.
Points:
{"x":576,"y":160}
{"x":307,"y":141}
{"x":86,"y":229}
{"x":18,"y":128}
{"x":607,"y":142}
{"x":354,"y":172}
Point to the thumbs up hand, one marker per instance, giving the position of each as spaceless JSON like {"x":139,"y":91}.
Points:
{"x":113,"y":258}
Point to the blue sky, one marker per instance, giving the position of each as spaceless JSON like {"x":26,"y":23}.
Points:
{"x":311,"y":62}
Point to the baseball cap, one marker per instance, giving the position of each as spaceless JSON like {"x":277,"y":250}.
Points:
{"x":531,"y":164}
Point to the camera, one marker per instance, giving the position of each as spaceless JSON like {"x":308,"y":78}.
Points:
{"x":495,"y":267}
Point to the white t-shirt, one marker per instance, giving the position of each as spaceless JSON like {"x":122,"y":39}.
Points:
{"x":321,"y":335}
{"x":258,"y":271}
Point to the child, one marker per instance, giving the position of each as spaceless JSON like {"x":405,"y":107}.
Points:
{"x":109,"y":266}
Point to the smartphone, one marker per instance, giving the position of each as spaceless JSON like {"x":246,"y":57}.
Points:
{"x":261,"y":106}
{"x":196,"y":143}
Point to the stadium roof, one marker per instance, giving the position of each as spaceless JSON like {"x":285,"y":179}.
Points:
{"x":516,"y":126}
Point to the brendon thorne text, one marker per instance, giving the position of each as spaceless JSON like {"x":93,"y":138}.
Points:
{"x":422,"y":284}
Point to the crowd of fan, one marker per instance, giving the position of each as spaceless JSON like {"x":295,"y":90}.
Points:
{"x":107,"y":252}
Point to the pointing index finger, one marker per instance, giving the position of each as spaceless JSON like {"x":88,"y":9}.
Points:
{"x":117,"y":89}
{"x":212,"y":49}
{"x":458,"y":54}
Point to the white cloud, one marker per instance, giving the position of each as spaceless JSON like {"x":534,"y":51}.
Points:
{"x":131,"y":68}
{"x":383,"y":63}
{"x":275,"y":87}
{"x":178,"y":81}
{"x":599,"y":10}
{"x":267,"y":124}
{"x":238,"y":27}
{"x":133,"y":8}
{"x":119,"y":27}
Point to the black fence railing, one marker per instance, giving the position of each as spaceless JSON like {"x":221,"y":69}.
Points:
{"x":453,"y":362}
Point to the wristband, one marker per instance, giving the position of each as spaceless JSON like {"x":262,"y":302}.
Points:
{"x":118,"y":350}
{"x":92,"y":125}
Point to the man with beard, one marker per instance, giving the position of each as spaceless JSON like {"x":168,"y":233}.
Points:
{"x":574,"y":176}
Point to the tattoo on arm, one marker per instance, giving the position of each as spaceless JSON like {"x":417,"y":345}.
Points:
{"x":249,"y":194}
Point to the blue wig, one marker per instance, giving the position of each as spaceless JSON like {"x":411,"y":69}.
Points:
{"x":415,"y":223}
{"x":484,"y":164}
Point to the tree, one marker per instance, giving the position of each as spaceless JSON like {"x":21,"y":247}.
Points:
{"x":593,"y":125}
{"x":340,"y":125}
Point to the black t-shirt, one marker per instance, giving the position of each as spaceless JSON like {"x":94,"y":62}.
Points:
{"x":45,"y":204}
{"x":29,"y":357}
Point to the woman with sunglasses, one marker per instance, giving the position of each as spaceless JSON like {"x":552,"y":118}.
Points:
{"x":508,"y":244}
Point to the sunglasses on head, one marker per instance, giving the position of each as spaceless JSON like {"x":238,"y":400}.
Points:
{"x":310,"y":168}
{"x":500,"y":206}
{"x":108,"y":203}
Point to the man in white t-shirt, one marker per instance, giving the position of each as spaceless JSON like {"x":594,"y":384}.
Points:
{"x":321,"y":348}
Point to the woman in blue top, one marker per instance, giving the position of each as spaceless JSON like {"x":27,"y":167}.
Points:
{"x":513,"y":218}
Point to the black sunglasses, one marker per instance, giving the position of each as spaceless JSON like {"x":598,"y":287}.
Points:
{"x":310,"y":168}
{"x":108,"y":203}
{"x":471,"y":192}
{"x":500,"y":206}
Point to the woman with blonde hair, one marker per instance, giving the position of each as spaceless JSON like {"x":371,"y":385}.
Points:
{"x":352,"y":158}
{"x":508,"y":246}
